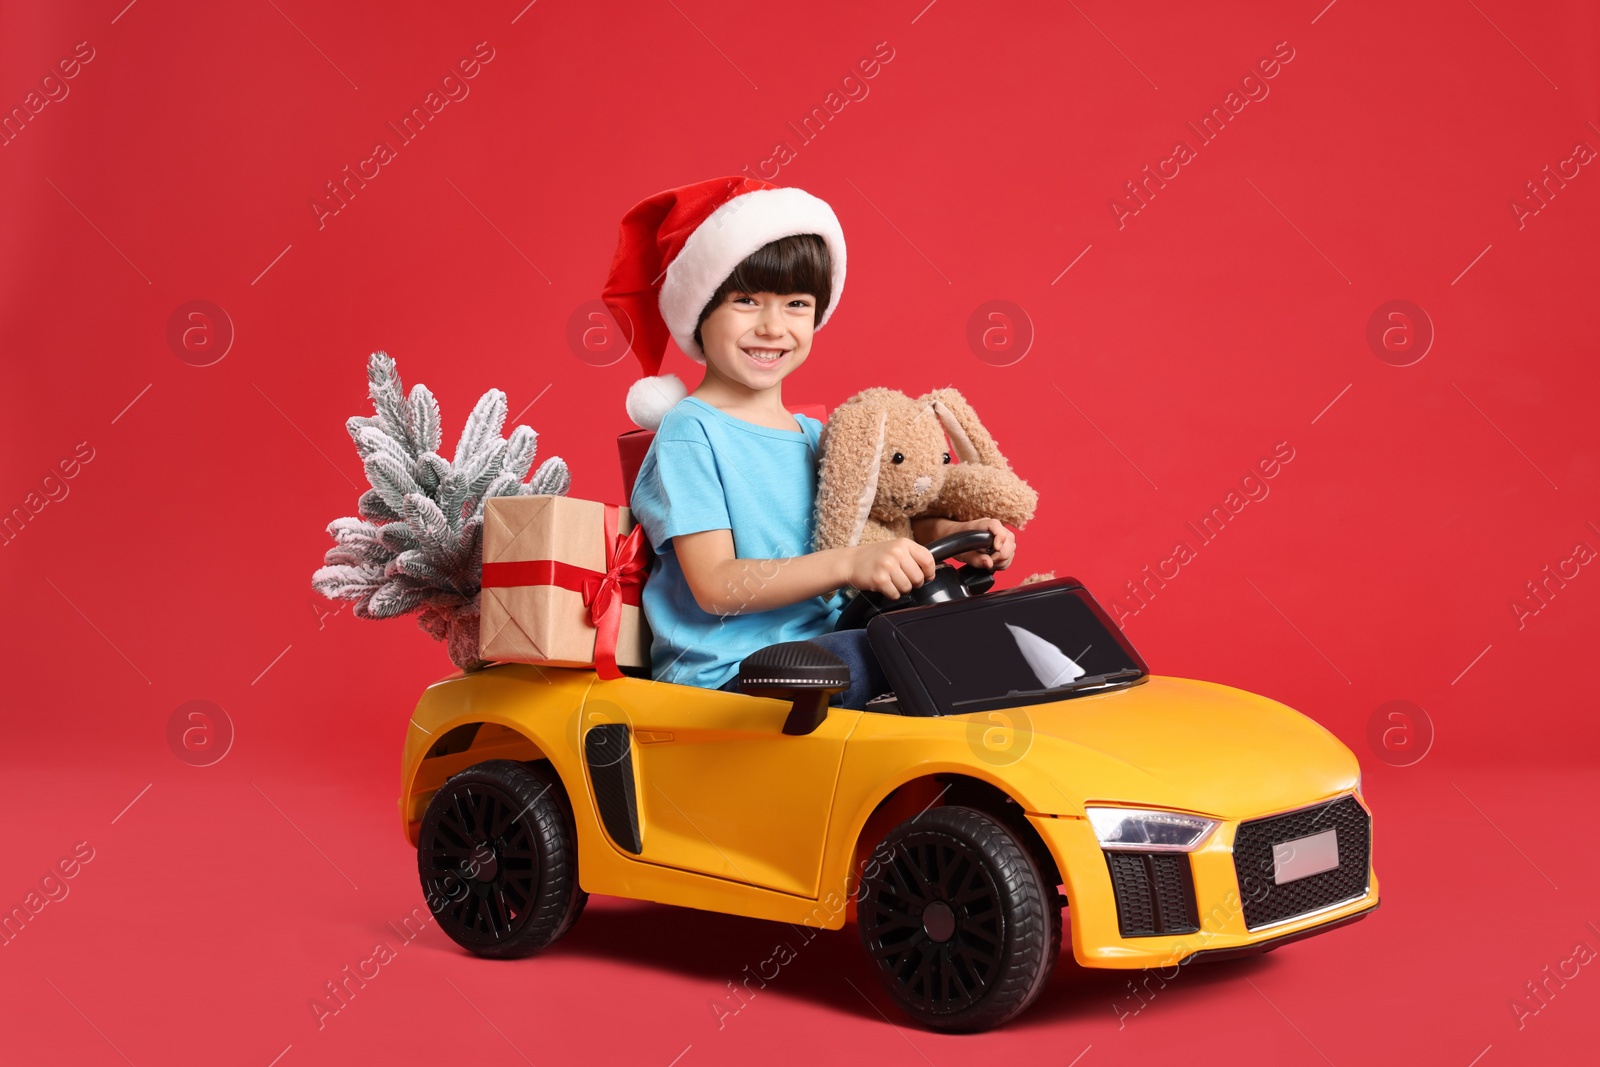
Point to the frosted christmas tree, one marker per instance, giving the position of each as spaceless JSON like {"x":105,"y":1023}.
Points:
{"x":416,"y":544}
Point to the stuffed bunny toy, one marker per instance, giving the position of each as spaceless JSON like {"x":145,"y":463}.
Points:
{"x":884,"y":462}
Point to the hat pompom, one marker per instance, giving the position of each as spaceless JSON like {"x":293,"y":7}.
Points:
{"x":649,"y":399}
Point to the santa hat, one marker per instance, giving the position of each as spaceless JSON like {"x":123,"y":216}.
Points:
{"x":677,"y":247}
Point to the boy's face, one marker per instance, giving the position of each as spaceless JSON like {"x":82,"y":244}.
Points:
{"x":757,"y":339}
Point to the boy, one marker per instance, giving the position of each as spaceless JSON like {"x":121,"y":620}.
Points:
{"x":746,"y":273}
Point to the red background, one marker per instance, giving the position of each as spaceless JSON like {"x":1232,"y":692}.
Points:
{"x":1230,"y":313}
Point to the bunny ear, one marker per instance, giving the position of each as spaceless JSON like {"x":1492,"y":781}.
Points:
{"x":847,"y":480}
{"x":972,"y":442}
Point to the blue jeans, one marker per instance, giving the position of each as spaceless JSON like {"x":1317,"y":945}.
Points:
{"x":867,"y":679}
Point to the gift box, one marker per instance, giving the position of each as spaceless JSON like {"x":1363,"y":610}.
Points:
{"x":562,"y":580}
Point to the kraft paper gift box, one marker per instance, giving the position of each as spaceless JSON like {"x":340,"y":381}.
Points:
{"x":561,"y":584}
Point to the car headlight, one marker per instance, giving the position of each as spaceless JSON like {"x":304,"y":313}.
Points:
{"x":1134,"y":829}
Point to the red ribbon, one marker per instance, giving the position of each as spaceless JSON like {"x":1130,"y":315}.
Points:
{"x":604,"y":592}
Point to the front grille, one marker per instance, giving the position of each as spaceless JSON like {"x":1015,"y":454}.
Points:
{"x":1266,"y":903}
{"x":1155,"y":893}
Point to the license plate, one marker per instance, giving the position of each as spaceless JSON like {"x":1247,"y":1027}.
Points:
{"x":1305,"y":856}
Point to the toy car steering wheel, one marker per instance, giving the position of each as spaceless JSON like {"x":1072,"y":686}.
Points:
{"x":947,"y":582}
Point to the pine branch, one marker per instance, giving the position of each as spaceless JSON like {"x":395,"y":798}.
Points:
{"x":383,"y":385}
{"x":425,"y":421}
{"x":483,"y":425}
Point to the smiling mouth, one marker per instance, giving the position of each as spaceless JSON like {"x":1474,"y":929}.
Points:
{"x":765,"y":357}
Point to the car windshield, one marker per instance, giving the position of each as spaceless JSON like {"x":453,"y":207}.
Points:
{"x":1020,"y":647}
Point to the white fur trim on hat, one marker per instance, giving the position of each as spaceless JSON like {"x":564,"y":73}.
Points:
{"x":731,"y":233}
{"x":649,"y":399}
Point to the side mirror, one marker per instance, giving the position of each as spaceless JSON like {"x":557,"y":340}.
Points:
{"x":800,"y":671}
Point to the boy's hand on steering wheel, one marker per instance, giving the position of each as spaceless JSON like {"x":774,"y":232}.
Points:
{"x":892,"y":568}
{"x":1005,"y":544}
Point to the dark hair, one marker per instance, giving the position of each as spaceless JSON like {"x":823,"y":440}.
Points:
{"x":796,"y":264}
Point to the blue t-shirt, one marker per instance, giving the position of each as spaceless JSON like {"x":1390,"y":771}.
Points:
{"x":707,"y":470}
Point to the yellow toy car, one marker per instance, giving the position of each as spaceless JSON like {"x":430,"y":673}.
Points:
{"x":1026,"y":748}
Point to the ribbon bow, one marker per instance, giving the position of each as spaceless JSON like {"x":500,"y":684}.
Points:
{"x":603,"y":593}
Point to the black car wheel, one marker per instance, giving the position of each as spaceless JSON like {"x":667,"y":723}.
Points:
{"x":498,"y":859}
{"x":955,"y":916}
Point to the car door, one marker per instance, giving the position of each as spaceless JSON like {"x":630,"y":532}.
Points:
{"x":720,"y":789}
